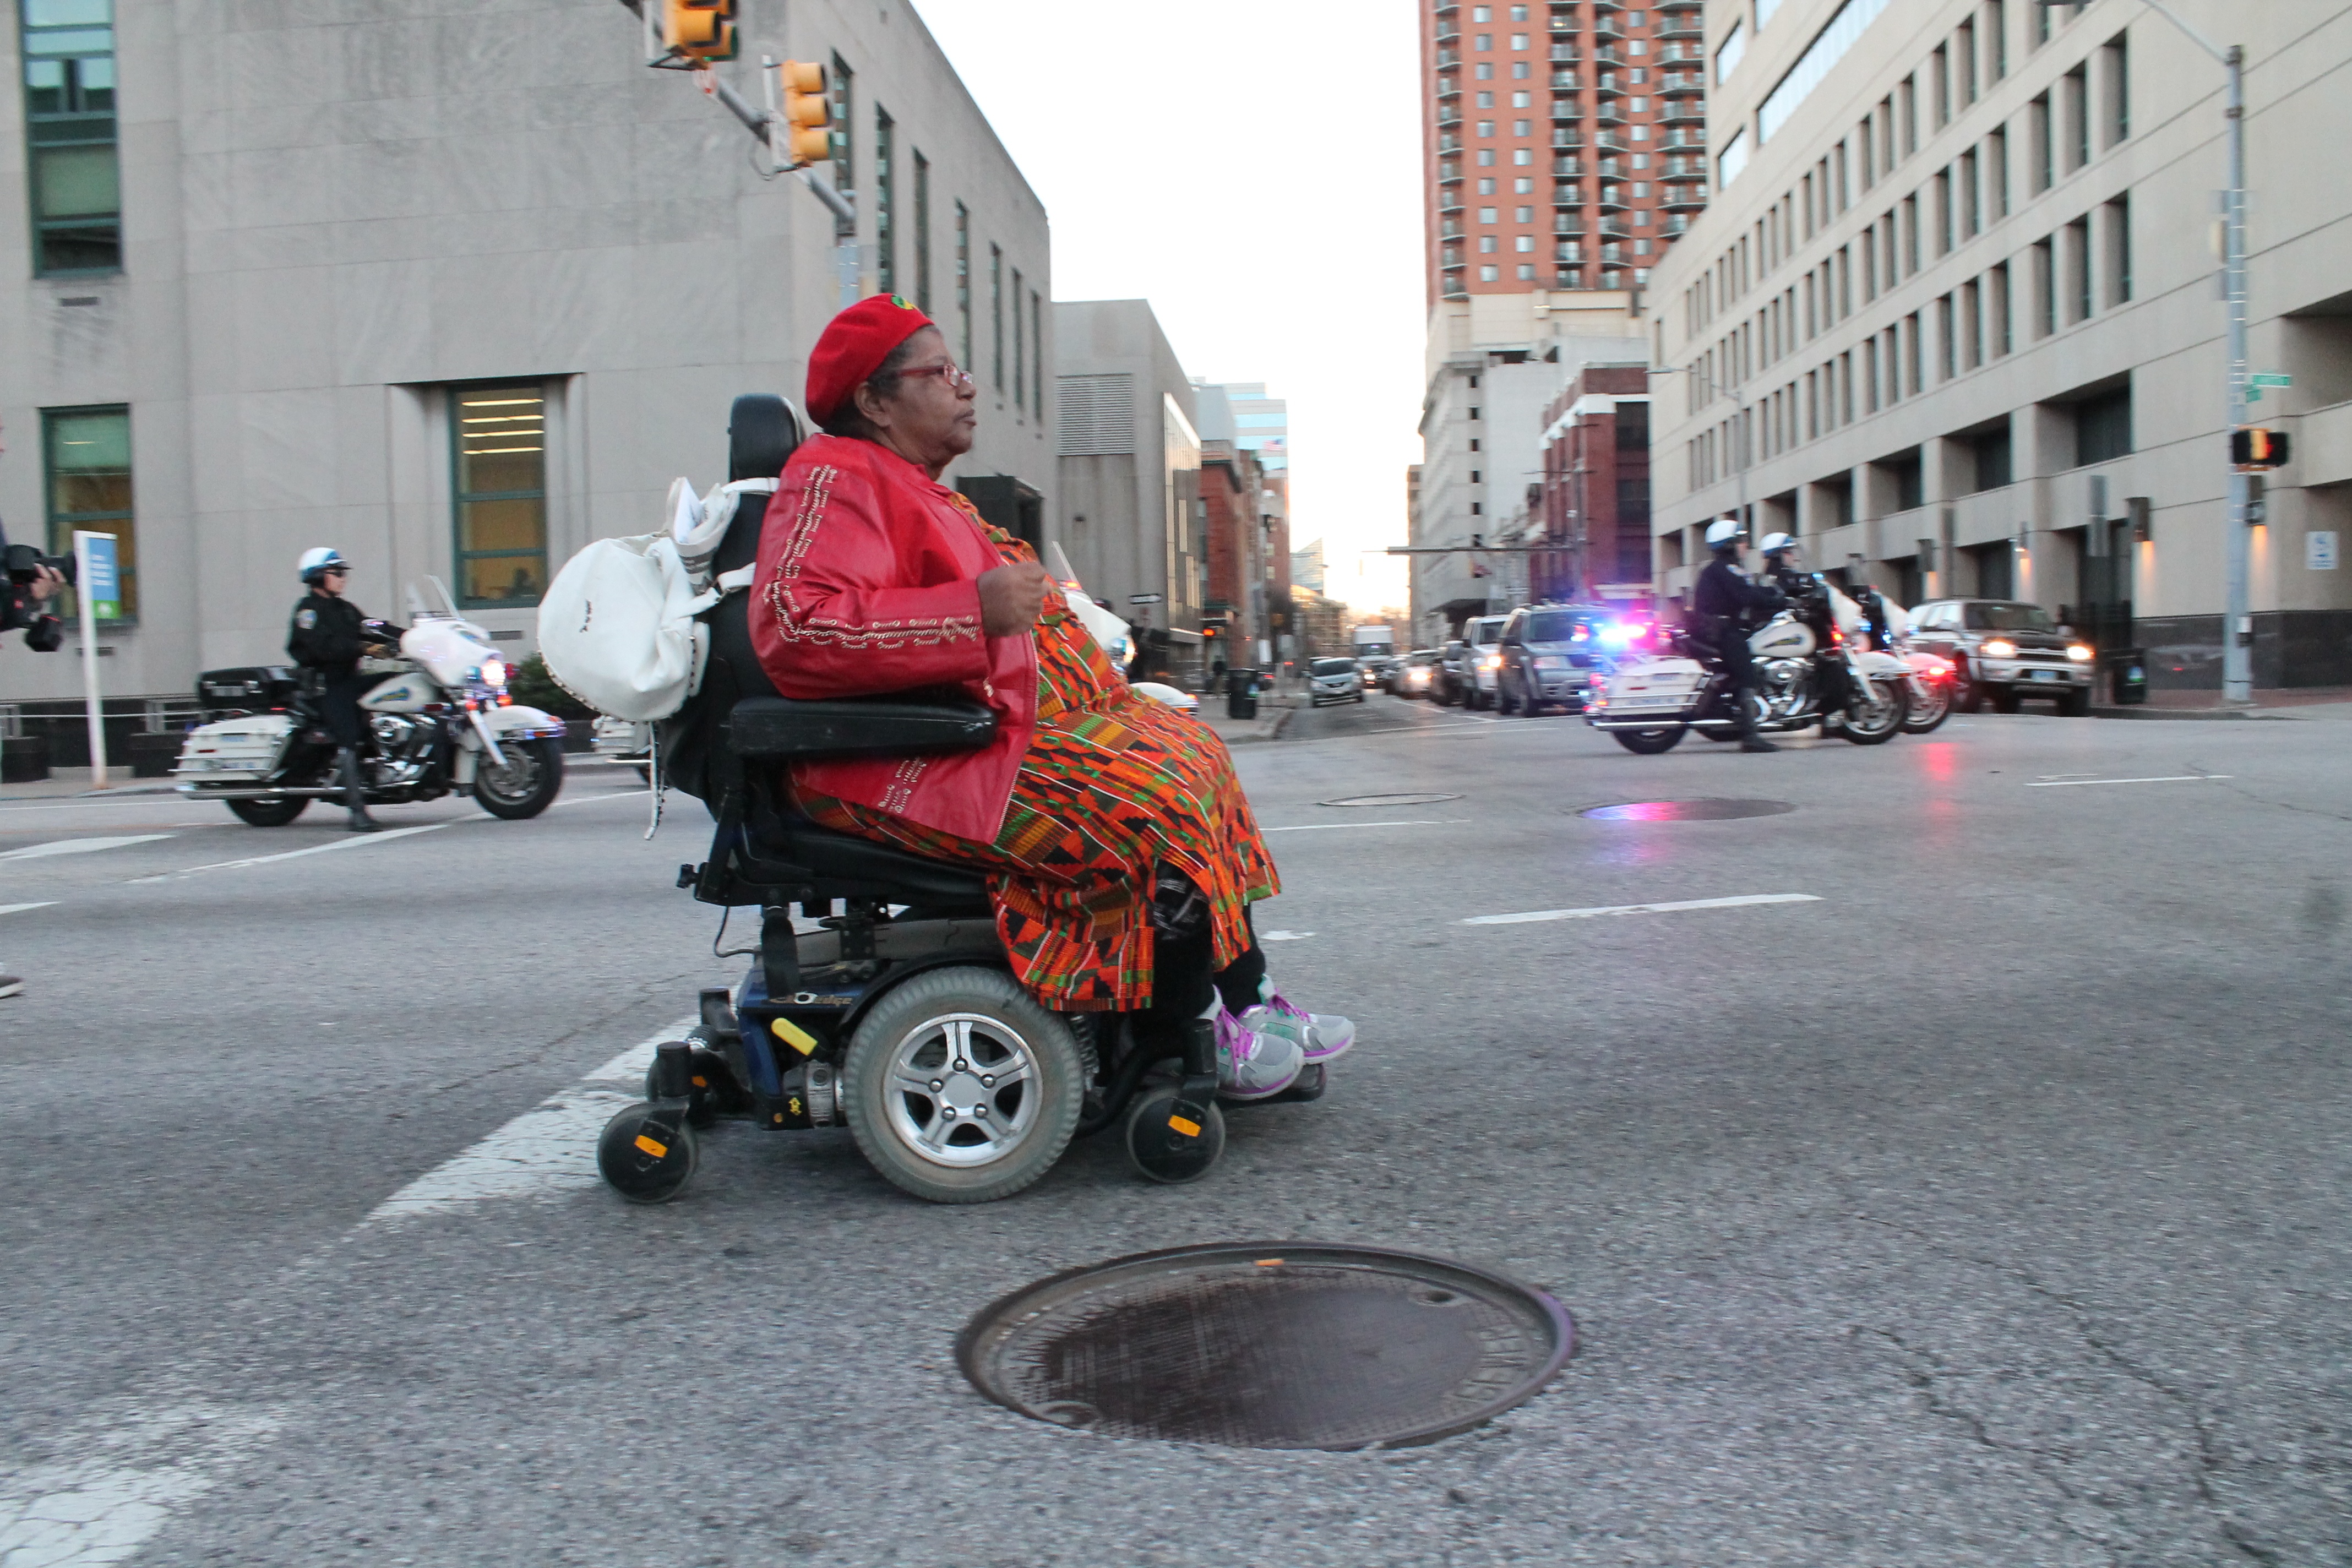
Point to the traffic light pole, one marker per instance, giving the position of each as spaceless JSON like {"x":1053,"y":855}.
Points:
{"x":2238,"y":634}
{"x":841,"y":204}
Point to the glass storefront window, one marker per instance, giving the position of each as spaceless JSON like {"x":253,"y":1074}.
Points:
{"x":86,"y":465}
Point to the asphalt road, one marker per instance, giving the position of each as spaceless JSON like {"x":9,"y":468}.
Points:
{"x":1989,"y":1209}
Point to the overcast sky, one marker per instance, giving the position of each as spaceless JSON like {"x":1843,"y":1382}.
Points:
{"x":1254,"y":171}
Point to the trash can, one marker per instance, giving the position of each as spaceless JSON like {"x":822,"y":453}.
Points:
{"x":1241,"y":693}
{"x":23,"y":759}
{"x":2126,"y":675}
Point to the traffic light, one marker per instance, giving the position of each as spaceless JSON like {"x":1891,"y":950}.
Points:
{"x":2258,"y":449}
{"x":804,"y":136}
{"x":699,"y":30}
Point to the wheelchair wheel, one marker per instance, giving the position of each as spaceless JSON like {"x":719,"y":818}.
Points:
{"x":1169,"y":1148}
{"x":960,"y":1089}
{"x":646,"y":1155}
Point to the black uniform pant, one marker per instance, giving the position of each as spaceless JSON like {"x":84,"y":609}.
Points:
{"x":1739,"y":664}
{"x":339,"y":707}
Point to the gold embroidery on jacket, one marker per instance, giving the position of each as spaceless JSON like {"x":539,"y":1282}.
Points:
{"x":796,"y":623}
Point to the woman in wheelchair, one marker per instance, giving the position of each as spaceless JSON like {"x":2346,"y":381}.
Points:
{"x":1121,"y":855}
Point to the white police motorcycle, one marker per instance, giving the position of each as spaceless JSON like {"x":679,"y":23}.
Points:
{"x":440,"y":722}
{"x":1648,"y":703}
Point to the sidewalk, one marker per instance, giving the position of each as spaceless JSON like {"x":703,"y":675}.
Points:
{"x":2270,"y":703}
{"x":64,"y":784}
{"x":1274,"y":710}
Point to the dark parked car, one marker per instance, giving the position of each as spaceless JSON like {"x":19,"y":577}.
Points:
{"x":2002,"y":650}
{"x":1547,"y":653}
{"x":1452,"y":681}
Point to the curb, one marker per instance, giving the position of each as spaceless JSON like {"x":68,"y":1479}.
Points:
{"x":2193,"y":715}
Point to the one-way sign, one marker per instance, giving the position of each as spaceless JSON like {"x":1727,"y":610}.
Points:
{"x":1143,"y":598}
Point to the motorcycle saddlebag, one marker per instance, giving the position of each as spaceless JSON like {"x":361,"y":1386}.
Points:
{"x":234,"y":750}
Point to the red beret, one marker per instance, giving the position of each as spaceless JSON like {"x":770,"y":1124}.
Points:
{"x":853,"y":347}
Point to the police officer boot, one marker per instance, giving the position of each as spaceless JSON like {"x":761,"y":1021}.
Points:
{"x":354,"y":796}
{"x":1743,"y":704}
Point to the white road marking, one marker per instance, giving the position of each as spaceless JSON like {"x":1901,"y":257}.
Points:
{"x":77,"y":846}
{"x":544,"y":1152}
{"x":1599,"y":910}
{"x":1284,"y":935}
{"x":600,"y":799}
{"x":20,"y":909}
{"x":357,"y":841}
{"x":1329,"y":826}
{"x":112,"y":1488}
{"x":2168,"y":778}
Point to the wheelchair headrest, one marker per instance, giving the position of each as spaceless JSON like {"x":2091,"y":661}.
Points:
{"x":762,"y":431}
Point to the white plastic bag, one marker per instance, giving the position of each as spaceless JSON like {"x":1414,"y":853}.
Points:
{"x":617,"y":628}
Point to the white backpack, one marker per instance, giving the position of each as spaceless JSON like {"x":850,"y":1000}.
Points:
{"x":617,"y":626}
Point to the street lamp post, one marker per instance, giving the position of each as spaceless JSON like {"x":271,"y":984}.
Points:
{"x":2237,"y":626}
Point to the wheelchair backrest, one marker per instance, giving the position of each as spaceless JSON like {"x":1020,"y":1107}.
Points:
{"x":763,"y":431}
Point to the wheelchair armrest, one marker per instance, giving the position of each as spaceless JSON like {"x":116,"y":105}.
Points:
{"x":773,"y":729}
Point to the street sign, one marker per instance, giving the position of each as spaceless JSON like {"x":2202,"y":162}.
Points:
{"x":2319,"y":550}
{"x":1144,"y":598}
{"x":104,"y":584}
{"x":2254,"y":384}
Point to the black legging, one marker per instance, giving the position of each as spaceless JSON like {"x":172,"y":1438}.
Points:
{"x":1182,"y":977}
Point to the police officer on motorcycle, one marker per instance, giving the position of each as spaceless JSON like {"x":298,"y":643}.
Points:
{"x":1728,"y":604}
{"x":1809,"y":595}
{"x":329,"y":634}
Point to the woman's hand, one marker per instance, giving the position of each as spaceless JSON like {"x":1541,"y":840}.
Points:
{"x":1011,"y":597}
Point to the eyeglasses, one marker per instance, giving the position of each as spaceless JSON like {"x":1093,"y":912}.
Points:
{"x":957,"y":378}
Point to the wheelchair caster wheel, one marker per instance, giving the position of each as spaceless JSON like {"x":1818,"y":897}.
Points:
{"x":1168,"y":1145}
{"x":646,"y":1154}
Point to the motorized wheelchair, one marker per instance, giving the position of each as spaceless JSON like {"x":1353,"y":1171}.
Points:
{"x":899,"y":1018}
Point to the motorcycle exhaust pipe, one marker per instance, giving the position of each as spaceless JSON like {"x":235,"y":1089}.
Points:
{"x":306,"y":792}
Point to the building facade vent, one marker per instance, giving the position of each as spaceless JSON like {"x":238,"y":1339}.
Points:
{"x":1096,"y":414}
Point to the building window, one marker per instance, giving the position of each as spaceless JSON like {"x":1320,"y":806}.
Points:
{"x":963,"y":280}
{"x":1997,"y":39}
{"x":2003,"y":339}
{"x":996,"y":310}
{"x":923,"y":233}
{"x":2103,"y":426}
{"x":497,"y":445}
{"x":1971,"y":324}
{"x":1964,"y":50}
{"x":2075,"y":94}
{"x":69,"y":134}
{"x":1038,"y":355}
{"x":2078,"y":270}
{"x":2114,"y":66}
{"x":2045,"y":288}
{"x":1947,"y":337}
{"x":1020,"y":349}
{"x":2119,"y":250}
{"x":1996,"y":163}
{"x":86,"y":470}
{"x":1490,"y":274}
{"x":2040,"y":146}
{"x":844,"y":172}
{"x":1727,"y":56}
{"x":886,"y":247}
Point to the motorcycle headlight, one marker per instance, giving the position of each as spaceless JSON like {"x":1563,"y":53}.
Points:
{"x":2079,"y":652}
{"x":2000,"y":648}
{"x":1492,"y":661}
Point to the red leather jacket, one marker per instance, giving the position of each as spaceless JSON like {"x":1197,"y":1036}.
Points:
{"x":868,"y":583}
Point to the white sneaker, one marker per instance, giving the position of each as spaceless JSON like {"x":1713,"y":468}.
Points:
{"x":1320,"y":1036}
{"x":1251,"y":1066}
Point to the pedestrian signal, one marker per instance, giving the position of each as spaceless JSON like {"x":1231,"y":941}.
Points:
{"x":2258,"y":449}
{"x":805,"y":137}
{"x":699,"y":30}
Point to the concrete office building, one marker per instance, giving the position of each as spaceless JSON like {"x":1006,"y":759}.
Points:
{"x":1954,"y":317}
{"x":453,"y":292}
{"x":1131,"y":516}
{"x":1495,"y":364}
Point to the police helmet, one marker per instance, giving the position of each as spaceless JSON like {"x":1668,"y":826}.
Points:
{"x":317,"y":562}
{"x":1774,"y":543}
{"x":1725,"y":533}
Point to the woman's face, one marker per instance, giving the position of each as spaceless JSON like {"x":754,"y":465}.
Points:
{"x":932,"y":416}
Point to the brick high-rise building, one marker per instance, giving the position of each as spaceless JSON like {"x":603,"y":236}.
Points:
{"x":1565,"y":141}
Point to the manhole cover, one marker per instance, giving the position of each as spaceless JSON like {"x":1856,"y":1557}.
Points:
{"x":1269,"y":1345}
{"x":1686,"y":810}
{"x":1389,"y":800}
